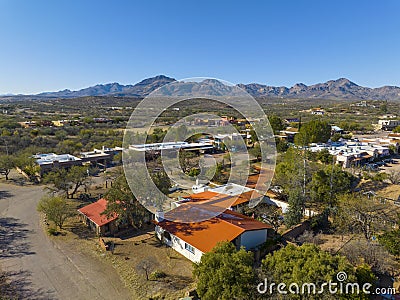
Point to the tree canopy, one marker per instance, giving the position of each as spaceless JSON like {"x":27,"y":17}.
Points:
{"x":397,"y":129}
{"x":276,"y":123}
{"x":225,"y":273}
{"x":7,"y":162}
{"x":121,"y":200}
{"x":56,"y":209}
{"x":315,"y":131}
{"x":68,"y":181}
{"x":327,"y":183}
{"x":308,"y":264}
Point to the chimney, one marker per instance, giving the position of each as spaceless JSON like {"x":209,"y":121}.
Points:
{"x":159,"y":216}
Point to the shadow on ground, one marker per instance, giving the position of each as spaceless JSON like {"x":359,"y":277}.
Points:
{"x":16,"y":285}
{"x":5,"y":195}
{"x":13,"y":236}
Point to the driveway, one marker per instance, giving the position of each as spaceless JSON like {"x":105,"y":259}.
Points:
{"x":42,"y":268}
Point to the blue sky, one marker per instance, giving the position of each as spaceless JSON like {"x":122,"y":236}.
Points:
{"x":52,"y":45}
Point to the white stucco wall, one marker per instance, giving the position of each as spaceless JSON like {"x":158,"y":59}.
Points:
{"x":179,"y":245}
{"x":251,"y":239}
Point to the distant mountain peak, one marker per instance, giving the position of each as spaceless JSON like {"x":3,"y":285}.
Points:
{"x":341,"y":88}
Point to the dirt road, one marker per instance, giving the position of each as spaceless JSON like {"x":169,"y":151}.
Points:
{"x":43,"y":268}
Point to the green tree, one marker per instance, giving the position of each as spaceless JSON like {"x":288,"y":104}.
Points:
{"x":78,"y":176}
{"x":326,"y":184}
{"x":315,"y":131}
{"x":281,"y":145}
{"x":255,"y":151}
{"x":324,"y":156}
{"x":397,"y":129}
{"x":67,"y":181}
{"x":294,"y":170}
{"x":336,"y":137}
{"x":6,"y":164}
{"x":186,"y":160}
{"x":391,"y":241}
{"x":295,"y":211}
{"x":28,"y":165}
{"x":276,"y":123}
{"x":120,"y":200}
{"x":59,"y":181}
{"x":161,"y":180}
{"x":56,"y":209}
{"x":225,"y":273}
{"x":309,"y":264}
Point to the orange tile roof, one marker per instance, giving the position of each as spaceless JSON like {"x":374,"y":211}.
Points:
{"x":257,"y":181}
{"x":394,"y":135}
{"x":246,"y":197}
{"x":93,"y":212}
{"x":206,"y":234}
{"x":228,"y":199}
{"x":207,"y":195}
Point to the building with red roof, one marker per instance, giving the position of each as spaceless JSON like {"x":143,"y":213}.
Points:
{"x":194,"y":239}
{"x":92,"y":216}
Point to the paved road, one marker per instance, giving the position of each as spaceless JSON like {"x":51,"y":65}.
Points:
{"x":42,"y":270}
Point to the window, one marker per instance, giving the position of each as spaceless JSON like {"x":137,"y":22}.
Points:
{"x":189,"y":248}
{"x":167,"y":236}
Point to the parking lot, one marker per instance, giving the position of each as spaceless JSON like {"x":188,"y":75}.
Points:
{"x":386,"y":165}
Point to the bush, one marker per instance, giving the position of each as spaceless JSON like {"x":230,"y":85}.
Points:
{"x":157,"y":275}
{"x":52,"y":231}
{"x":380,"y":177}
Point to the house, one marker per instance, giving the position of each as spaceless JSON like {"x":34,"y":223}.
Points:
{"x":235,"y":139}
{"x":388,"y":124}
{"x":50,"y":161}
{"x":319,"y":112}
{"x":28,"y":124}
{"x":192,"y":240}
{"x":288,"y":121}
{"x":354,"y":153}
{"x":173,"y":146}
{"x":96,"y":158}
{"x":92,"y":216}
{"x":336,"y":129}
{"x":288,"y":134}
{"x":61,"y":123}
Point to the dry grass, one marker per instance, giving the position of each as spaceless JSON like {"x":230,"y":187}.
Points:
{"x":128,"y":254}
{"x":333,"y":242}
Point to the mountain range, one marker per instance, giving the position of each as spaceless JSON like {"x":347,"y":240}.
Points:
{"x":341,"y":88}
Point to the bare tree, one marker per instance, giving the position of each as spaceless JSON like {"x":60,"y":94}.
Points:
{"x":309,"y":237}
{"x":362,"y":214}
{"x":394,"y":177}
{"x":372,"y":253}
{"x":146,"y":266}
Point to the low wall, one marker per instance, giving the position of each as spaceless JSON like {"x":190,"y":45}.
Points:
{"x":294,"y":232}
